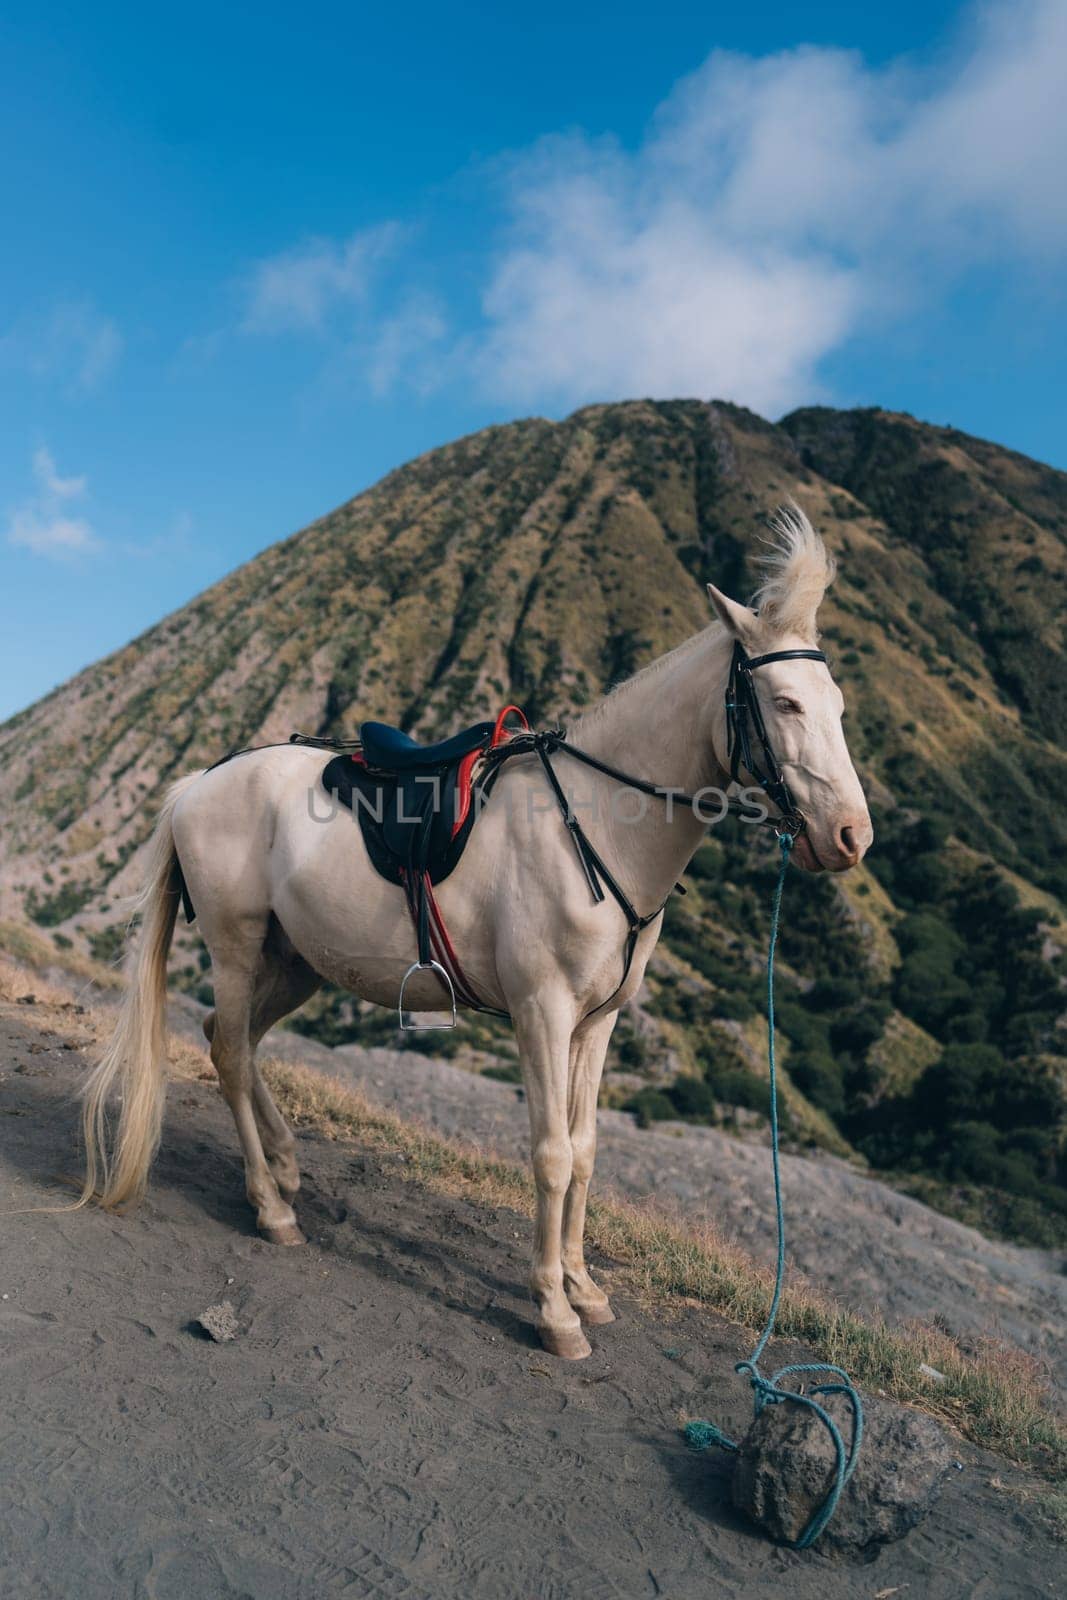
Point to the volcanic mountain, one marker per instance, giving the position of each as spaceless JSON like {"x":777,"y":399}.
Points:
{"x":541,"y":561}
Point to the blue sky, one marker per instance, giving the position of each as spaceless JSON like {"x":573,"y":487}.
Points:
{"x":255,"y":257}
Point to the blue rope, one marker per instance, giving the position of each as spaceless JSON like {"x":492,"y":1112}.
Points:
{"x":768,"y":1391}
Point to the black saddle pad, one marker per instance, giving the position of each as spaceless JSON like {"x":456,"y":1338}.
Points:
{"x":412,"y":822}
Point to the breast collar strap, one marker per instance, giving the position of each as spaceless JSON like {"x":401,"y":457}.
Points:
{"x":746,"y":729}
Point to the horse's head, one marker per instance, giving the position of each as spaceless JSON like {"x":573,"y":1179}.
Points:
{"x":799,"y":701}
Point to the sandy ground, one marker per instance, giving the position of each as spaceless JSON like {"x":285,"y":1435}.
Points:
{"x":385,"y":1425}
{"x":877,"y":1250}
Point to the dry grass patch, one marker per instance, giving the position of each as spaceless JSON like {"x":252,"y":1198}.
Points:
{"x":995,"y":1397}
{"x":18,"y":987}
{"x":55,"y":1005}
{"x":22,"y":943}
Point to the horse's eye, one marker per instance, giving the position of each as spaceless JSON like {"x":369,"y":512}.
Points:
{"x":792,"y":708}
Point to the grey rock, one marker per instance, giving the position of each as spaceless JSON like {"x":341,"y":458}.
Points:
{"x":220,"y":1322}
{"x":785,"y":1467}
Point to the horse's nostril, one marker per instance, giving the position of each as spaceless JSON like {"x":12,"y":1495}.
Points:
{"x":847,"y":840}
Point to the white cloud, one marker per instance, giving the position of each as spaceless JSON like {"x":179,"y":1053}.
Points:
{"x":613,"y":304}
{"x":84,"y":342}
{"x":299,"y":288}
{"x":775,"y":206}
{"x":42,"y":523}
{"x":991,"y":149}
{"x":73,"y":344}
{"x":403,"y":347}
{"x":174,"y":541}
{"x":51,"y":535}
{"x":52,"y":486}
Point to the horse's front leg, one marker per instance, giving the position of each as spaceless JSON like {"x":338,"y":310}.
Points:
{"x":543,"y":1030}
{"x":587,"y":1064}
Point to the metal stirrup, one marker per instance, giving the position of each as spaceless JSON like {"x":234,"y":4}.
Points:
{"x":425,"y":1027}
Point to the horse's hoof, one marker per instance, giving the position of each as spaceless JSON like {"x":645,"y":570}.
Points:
{"x":569,"y":1345}
{"x":595,"y":1316}
{"x":287,"y":1233}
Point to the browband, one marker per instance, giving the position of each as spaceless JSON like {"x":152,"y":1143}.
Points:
{"x":748,"y":662}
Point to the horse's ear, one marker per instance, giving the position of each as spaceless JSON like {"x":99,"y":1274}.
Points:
{"x":738,"y":620}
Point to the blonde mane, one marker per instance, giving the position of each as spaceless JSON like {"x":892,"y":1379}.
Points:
{"x":797,"y":570}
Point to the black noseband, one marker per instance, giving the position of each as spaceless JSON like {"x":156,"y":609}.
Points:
{"x":745,"y":728}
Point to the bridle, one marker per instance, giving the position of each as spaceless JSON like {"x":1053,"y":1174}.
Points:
{"x":745,"y":726}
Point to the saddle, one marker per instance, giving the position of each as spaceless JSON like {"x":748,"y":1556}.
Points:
{"x":416,"y":805}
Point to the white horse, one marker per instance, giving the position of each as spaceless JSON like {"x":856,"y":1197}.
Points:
{"x":285,"y":901}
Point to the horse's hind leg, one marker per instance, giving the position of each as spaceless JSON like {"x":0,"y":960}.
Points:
{"x":231,"y":1051}
{"x":283,"y":982}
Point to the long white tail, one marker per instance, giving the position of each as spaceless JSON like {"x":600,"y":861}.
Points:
{"x":116,"y":1171}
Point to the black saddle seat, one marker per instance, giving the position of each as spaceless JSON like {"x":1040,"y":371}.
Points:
{"x":389,"y":749}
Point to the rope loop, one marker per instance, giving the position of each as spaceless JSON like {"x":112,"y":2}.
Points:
{"x":769,"y":1391}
